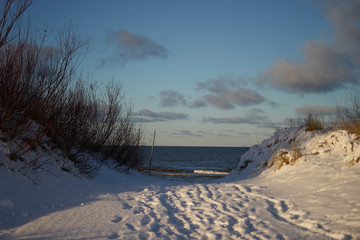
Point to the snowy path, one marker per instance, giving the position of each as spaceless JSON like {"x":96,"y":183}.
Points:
{"x":197,"y":211}
{"x":316,"y":198}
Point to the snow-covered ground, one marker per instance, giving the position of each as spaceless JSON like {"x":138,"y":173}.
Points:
{"x":316,"y":196}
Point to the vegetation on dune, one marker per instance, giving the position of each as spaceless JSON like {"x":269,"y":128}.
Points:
{"x":285,"y":157}
{"x":39,"y":84}
{"x":346,"y":118}
{"x":313,"y":123}
{"x":349,"y":117}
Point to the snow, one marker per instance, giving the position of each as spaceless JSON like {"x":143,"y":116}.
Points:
{"x":314,"y":197}
{"x":323,"y":182}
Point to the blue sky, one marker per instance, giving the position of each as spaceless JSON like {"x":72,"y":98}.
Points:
{"x":216,"y":73}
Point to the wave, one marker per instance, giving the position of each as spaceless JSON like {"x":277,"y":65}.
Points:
{"x":186,"y":172}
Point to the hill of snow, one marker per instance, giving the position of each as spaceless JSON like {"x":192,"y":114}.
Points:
{"x":341,"y":148}
{"x":311,"y":191}
{"x":323,"y":181}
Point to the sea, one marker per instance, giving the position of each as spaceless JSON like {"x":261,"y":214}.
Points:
{"x":194,"y":164}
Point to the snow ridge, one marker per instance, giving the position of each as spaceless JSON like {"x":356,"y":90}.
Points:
{"x":339,"y":143}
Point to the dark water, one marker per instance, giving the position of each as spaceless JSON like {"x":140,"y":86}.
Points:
{"x":187,"y":159}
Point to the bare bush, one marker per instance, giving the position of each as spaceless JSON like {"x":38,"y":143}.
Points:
{"x":313,"y":123}
{"x":348,"y":118}
{"x":39,"y":83}
{"x":11,"y":13}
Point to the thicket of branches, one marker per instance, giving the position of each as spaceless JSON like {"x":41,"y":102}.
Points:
{"x":348,"y":117}
{"x":39,"y":83}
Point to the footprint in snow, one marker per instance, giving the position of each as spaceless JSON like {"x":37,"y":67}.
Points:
{"x":145,"y":220}
{"x":116,"y":220}
{"x":284,"y":207}
{"x":129,"y":226}
{"x":126,"y":206}
{"x":138,"y":210}
{"x":143,"y":236}
{"x":248,"y":189}
{"x":113,"y":236}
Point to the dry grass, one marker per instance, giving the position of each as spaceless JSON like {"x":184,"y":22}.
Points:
{"x":296,"y":151}
{"x":280,"y":159}
{"x":348,"y":118}
{"x":351,"y":127}
{"x":285,"y":157}
{"x":313,"y":123}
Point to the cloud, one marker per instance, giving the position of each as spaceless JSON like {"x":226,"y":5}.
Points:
{"x":171,"y":98}
{"x":273,"y":104}
{"x":323,"y":70}
{"x":244,"y":134}
{"x":187,"y":133}
{"x":221,"y":84}
{"x":245,"y":97}
{"x":197,"y":104}
{"x":222,"y":135}
{"x":163,"y":116}
{"x":318,"y":110}
{"x":130,"y":47}
{"x":254,"y":116}
{"x":229,"y":131}
{"x":225,"y":92}
{"x":220,"y":101}
{"x":228,"y":120}
{"x":327,"y":66}
{"x":147,"y":120}
{"x":344,"y":16}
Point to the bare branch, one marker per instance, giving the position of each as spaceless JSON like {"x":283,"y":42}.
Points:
{"x":11,"y":13}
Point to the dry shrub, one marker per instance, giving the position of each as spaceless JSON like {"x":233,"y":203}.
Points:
{"x":348,"y":118}
{"x":284,"y":157}
{"x":39,"y":83}
{"x":279,"y":160}
{"x":313,"y":123}
{"x":351,"y":126}
{"x":296,"y":151}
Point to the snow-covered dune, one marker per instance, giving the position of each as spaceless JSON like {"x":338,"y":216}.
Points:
{"x":340,"y":146}
{"x":314,"y":196}
{"x":322,"y":181}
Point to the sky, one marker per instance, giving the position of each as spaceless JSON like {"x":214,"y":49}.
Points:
{"x":216,"y":73}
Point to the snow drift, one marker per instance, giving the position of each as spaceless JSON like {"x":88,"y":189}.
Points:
{"x":294,"y":185}
{"x":321,"y":176}
{"x":291,"y":145}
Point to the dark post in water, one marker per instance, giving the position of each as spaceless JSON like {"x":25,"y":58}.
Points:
{"x":152,"y":151}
